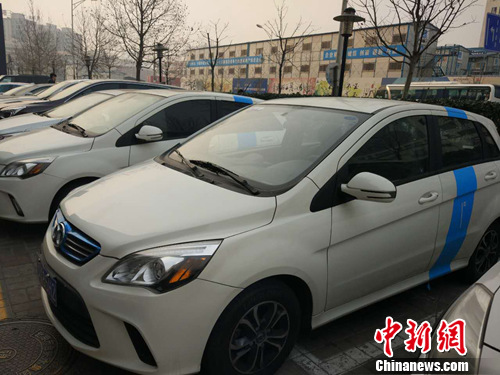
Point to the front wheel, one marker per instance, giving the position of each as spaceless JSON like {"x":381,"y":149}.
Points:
{"x":256,"y":332}
{"x":486,"y":254}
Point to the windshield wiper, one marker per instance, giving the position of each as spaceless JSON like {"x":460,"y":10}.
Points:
{"x":226,"y":172}
{"x":78,"y":128}
{"x":186,"y":162}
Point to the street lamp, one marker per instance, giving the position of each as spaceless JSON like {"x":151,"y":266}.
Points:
{"x":159,"y":53}
{"x":87,"y":64}
{"x":346,"y":19}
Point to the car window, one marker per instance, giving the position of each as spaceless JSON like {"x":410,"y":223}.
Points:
{"x":55,"y":89}
{"x":225,"y":107}
{"x":490,"y":146}
{"x":180,"y":120}
{"x":460,"y":142}
{"x":99,"y":87}
{"x":398,"y":152}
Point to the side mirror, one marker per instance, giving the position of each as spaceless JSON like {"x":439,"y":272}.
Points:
{"x":149,"y":133}
{"x":371,"y":187}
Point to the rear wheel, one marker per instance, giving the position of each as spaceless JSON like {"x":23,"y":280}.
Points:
{"x":486,"y":254}
{"x":256,"y":332}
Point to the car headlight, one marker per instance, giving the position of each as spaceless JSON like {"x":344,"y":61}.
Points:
{"x":164,"y":268}
{"x":26,"y":168}
{"x":473,"y":307}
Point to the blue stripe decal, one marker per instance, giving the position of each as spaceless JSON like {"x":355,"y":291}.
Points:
{"x":462,"y":210}
{"x":247,"y":140}
{"x":458,"y":113}
{"x":242,"y":99}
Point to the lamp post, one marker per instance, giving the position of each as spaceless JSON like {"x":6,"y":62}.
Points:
{"x":87,"y":64}
{"x":346,"y":19}
{"x":159,"y":52}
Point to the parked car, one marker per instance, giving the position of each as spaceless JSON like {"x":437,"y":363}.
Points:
{"x":44,"y":95}
{"x":4,"y":87}
{"x":75,"y":91}
{"x":277,"y":219}
{"x":479,"y":306}
{"x":25,"y":90}
{"x":32,"y":121}
{"x":27,"y":78}
{"x":38,"y":169}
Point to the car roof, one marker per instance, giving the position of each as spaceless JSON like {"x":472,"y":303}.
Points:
{"x":159,"y":85}
{"x":187,"y":93}
{"x":363,"y":105}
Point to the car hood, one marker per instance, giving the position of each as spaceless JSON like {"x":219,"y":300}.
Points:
{"x":150,"y":205}
{"x":491,"y":280}
{"x":27,"y":122}
{"x":41,"y":143}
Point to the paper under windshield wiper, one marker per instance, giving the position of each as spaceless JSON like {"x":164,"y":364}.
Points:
{"x":187,"y":163}
{"x":77,"y":127}
{"x":226,"y":172}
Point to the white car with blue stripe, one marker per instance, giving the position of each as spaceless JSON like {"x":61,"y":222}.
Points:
{"x":39,"y":168}
{"x":279,"y":218}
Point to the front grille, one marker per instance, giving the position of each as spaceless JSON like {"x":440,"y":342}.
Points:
{"x":76,"y":246}
{"x":72,"y":313}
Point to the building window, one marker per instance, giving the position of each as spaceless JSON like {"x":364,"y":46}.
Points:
{"x":398,"y":38}
{"x":494,"y":10}
{"x":395,"y":65}
{"x":350,"y":42}
{"x":193,"y":72}
{"x":322,"y":68}
{"x":272,"y":70}
{"x":243,"y":52}
{"x":274,"y":49}
{"x":221,"y":55}
{"x":193,"y":57}
{"x":371,"y":40}
{"x":201,"y":71}
{"x":232,"y":53}
{"x":347,"y":67}
{"x":258,"y":70}
{"x":243,"y":71}
{"x":220,"y":71}
{"x":202,"y":56}
{"x":231,"y":71}
{"x":326,"y":45}
{"x":259,"y":51}
{"x":307,"y":47}
{"x":368,"y":67}
{"x":304,"y":69}
{"x":288,"y":69}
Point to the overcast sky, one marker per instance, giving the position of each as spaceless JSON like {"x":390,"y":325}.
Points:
{"x":242,"y":16}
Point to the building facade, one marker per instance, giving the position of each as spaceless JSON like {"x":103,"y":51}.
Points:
{"x":249,"y":67}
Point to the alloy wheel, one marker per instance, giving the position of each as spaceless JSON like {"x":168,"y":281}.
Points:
{"x":487,"y":252}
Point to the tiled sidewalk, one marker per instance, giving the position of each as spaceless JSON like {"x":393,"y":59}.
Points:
{"x":345,"y":346}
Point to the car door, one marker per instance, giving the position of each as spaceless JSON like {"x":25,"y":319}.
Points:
{"x":178,"y":120}
{"x":470,"y":179}
{"x":374,"y":246}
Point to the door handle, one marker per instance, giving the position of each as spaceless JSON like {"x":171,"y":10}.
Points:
{"x":490,"y":176}
{"x":428,"y":197}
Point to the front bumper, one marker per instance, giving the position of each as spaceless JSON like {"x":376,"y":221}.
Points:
{"x":175,"y":326}
{"x":33,"y":197}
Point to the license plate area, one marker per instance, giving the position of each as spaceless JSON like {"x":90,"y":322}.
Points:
{"x":48,"y":283}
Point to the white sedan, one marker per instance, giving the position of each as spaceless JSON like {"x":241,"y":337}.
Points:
{"x":277,"y":219}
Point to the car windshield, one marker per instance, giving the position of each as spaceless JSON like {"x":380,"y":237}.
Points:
{"x":271,"y":145}
{"x":70,"y":90}
{"x":55,"y":89}
{"x":106,"y":116}
{"x":76,"y":106}
{"x":18,"y":90}
{"x":7,"y":87}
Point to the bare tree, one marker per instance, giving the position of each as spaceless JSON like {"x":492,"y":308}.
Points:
{"x":214,"y":42}
{"x":36,"y":52}
{"x":140,"y":24}
{"x":110,"y":58}
{"x":429,"y":20}
{"x":284,"y":41}
{"x":92,"y":39}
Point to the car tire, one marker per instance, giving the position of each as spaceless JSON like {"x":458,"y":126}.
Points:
{"x":241,"y":341}
{"x":486,"y":254}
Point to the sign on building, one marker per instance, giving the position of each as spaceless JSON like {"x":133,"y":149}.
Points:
{"x":492,"y":32}
{"x":366,"y":52}
{"x":247,"y":60}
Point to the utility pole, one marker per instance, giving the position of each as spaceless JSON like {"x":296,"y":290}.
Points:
{"x":338,"y":57}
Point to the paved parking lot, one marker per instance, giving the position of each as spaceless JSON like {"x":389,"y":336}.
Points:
{"x":345,"y":346}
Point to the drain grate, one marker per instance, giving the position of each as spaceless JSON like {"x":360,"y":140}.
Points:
{"x":32,"y":347}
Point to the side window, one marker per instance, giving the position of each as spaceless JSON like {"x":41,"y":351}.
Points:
{"x":490,"y":146}
{"x":460,"y":141}
{"x":398,"y":152}
{"x":104,"y":86}
{"x":135,"y":86}
{"x":182,"y":119}
{"x":225,"y":107}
